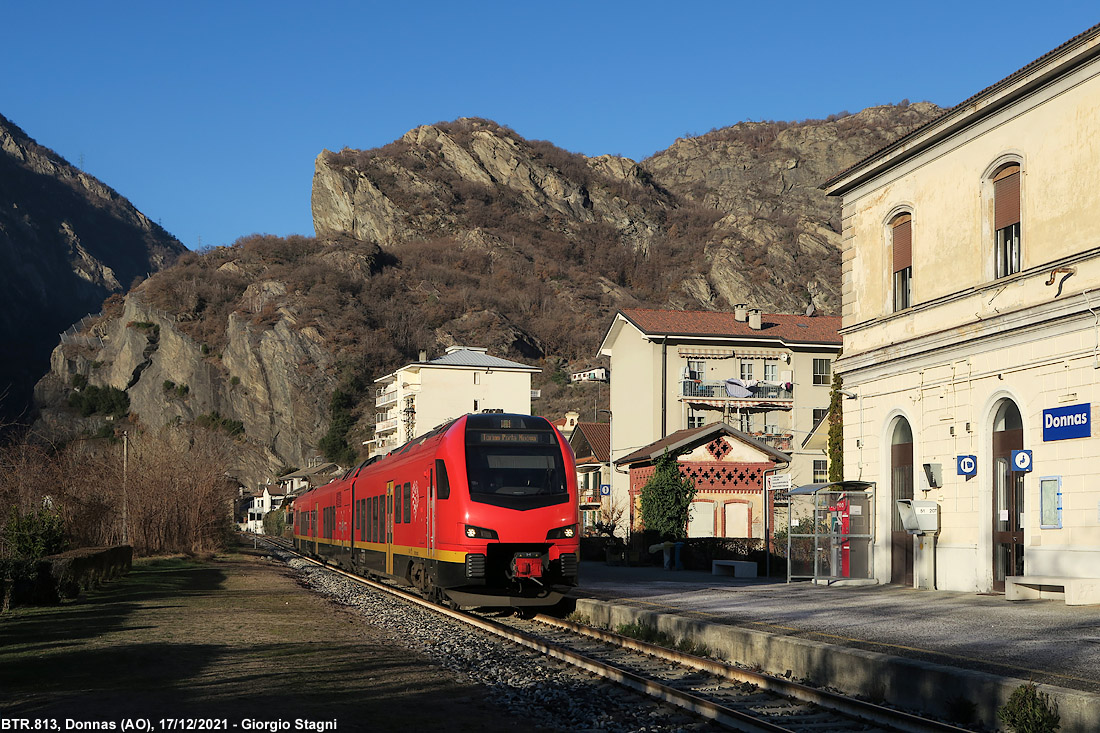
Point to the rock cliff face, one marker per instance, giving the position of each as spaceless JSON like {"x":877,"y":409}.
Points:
{"x":269,"y":382}
{"x":778,"y":240}
{"x":409,"y":190}
{"x":67,"y":241}
{"x":737,"y":212}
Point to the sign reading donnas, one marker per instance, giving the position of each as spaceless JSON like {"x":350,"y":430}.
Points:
{"x":1071,"y":421}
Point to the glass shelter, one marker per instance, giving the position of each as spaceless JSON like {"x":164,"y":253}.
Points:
{"x":830,"y":531}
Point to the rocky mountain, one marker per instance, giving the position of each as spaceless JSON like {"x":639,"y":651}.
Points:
{"x":466,"y":233}
{"x":67,"y":241}
{"x":777,"y":241}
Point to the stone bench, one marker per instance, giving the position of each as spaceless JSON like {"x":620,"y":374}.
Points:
{"x":1074,"y":591}
{"x":736,"y":568}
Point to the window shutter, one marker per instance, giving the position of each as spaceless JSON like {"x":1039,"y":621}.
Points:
{"x":1006,"y":198}
{"x":903,"y":243}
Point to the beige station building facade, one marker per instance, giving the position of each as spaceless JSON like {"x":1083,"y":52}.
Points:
{"x":971,"y":330}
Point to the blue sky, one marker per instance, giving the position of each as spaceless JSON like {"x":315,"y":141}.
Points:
{"x":208,"y":115}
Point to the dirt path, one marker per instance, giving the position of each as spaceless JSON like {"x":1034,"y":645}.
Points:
{"x":235,"y":639}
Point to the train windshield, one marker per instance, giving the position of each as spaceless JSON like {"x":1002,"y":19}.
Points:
{"x":514,"y":461}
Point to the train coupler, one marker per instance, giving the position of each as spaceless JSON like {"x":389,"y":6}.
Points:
{"x":526,"y":565}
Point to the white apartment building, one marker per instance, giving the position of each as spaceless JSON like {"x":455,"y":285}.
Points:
{"x":766,"y":375}
{"x":419,"y":396}
{"x":971,"y":328}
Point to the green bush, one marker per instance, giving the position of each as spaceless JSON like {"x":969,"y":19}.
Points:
{"x":36,"y":534}
{"x":94,"y":400}
{"x":275,"y":522}
{"x":334,"y":445}
{"x":214,"y":421}
{"x":666,"y":499}
{"x":1030,"y":711}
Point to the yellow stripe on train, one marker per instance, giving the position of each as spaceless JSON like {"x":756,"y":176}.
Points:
{"x":442,"y":555}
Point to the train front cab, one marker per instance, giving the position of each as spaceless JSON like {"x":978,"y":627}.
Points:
{"x":506,"y":512}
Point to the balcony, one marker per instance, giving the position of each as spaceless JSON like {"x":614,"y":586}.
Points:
{"x":779,"y":441}
{"x":384,"y":426}
{"x":692,"y":389}
{"x":590,"y":496}
{"x":386,"y":398}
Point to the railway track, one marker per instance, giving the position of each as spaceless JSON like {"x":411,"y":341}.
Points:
{"x":733,"y":697}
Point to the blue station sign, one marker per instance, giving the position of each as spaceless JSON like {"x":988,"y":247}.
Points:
{"x":966,"y":465}
{"x":1071,"y":421}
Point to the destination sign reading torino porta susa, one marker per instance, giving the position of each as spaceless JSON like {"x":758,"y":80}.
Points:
{"x":1071,"y":421}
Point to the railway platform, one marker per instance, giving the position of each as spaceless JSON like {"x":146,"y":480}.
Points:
{"x":959,"y":655}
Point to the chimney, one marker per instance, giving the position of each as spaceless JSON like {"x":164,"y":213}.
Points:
{"x":754,"y":319}
{"x":740,"y":312}
{"x":423,"y":355}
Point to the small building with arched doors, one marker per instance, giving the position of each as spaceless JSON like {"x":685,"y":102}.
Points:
{"x":971,"y":330}
{"x":729,"y":469}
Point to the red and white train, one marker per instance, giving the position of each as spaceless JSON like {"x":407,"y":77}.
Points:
{"x":481,"y":511}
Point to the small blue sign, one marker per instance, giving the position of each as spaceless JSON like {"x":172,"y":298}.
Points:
{"x":966,"y":465}
{"x":605,"y":489}
{"x":1071,"y":421}
{"x":1021,"y":461}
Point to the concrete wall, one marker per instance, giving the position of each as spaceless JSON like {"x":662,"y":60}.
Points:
{"x":905,"y":683}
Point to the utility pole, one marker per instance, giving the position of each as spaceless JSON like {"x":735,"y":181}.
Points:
{"x":125,"y":519}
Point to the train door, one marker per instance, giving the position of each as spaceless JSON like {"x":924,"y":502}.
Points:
{"x":431,"y":514}
{"x":389,"y":527}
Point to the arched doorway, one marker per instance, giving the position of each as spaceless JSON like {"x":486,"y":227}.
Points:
{"x":901,"y":487}
{"x":1008,"y":495}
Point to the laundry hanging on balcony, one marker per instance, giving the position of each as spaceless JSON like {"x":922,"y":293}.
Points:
{"x":752,"y":387}
{"x":740,"y":387}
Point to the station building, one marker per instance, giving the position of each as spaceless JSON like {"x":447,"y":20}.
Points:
{"x":971,"y":330}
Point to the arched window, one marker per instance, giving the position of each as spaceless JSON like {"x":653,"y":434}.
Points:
{"x":1006,"y":220}
{"x":901,"y":243}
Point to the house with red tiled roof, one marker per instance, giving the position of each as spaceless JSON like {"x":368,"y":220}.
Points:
{"x":766,"y":375}
{"x":591,"y":444}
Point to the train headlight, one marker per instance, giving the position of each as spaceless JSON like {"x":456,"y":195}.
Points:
{"x":567,"y":532}
{"x":480,"y":533}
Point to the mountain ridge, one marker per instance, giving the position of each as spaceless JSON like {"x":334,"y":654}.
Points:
{"x":67,"y":241}
{"x":463,"y":233}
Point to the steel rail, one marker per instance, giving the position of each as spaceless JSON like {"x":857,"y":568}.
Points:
{"x":735,"y":719}
{"x":728,"y":717}
{"x":851,"y":707}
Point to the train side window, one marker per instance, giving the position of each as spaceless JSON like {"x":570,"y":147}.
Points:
{"x":408,"y":502}
{"x":397,"y":505}
{"x":442,"y":484}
